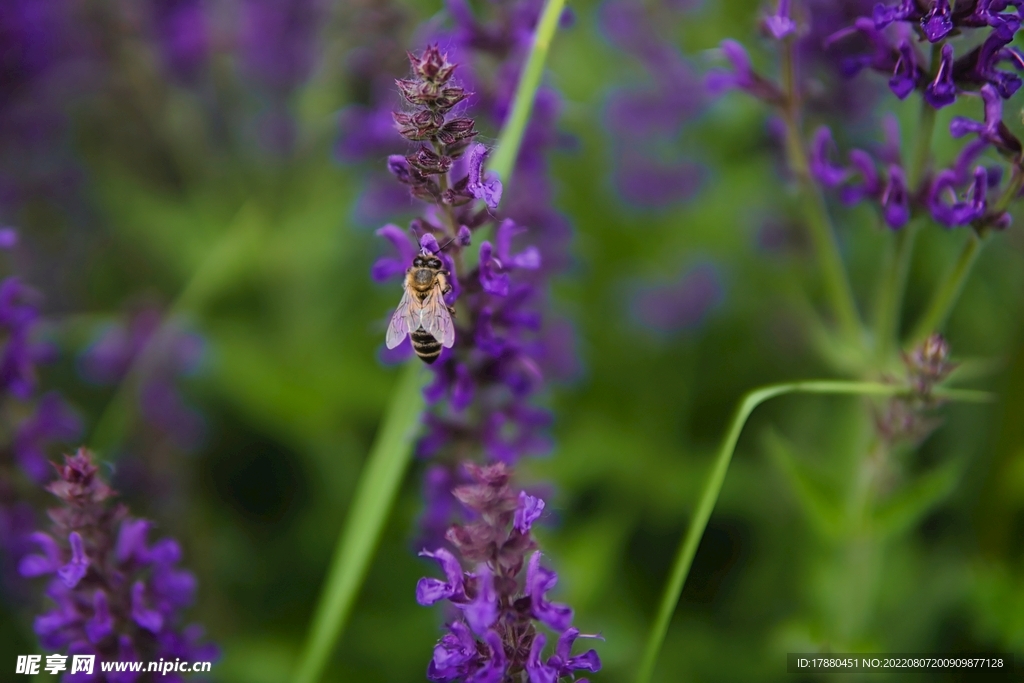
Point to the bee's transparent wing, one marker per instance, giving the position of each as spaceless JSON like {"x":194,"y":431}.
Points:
{"x":435,"y":318}
{"x":401,"y":322}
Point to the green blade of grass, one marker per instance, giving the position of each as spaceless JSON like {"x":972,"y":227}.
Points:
{"x":375,"y":494}
{"x":713,"y":485}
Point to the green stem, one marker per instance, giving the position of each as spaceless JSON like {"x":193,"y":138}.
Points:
{"x":946,"y":295}
{"x":218,"y":268}
{"x":812,"y":203}
{"x":894,"y":283}
{"x":504,"y":159}
{"x":890,"y":293}
{"x":393,"y":448}
{"x":375,"y":494}
{"x":713,"y":485}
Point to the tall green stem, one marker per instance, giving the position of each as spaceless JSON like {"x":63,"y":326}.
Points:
{"x":713,"y":486}
{"x":392,"y":449}
{"x":894,"y":282}
{"x":375,"y":494}
{"x":948,"y":293}
{"x":504,"y":159}
{"x":812,"y":203}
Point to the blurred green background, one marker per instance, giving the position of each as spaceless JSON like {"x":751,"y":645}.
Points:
{"x":265,"y":257}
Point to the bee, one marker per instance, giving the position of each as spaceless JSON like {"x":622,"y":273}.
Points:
{"x":422,"y":313}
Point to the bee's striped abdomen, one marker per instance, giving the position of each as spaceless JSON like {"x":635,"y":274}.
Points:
{"x":425,"y":346}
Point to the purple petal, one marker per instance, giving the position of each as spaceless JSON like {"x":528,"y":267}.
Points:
{"x":529,"y":510}
{"x":131,"y":541}
{"x":483,"y":610}
{"x":148,"y":619}
{"x":483,"y":186}
{"x":101,"y":624}
{"x":73,"y":571}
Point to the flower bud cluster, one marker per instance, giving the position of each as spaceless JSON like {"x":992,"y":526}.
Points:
{"x":433,"y":95}
{"x":114,"y":594}
{"x":905,"y":417}
{"x":498,"y":607}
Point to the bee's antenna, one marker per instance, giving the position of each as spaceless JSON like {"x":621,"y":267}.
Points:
{"x":442,"y":248}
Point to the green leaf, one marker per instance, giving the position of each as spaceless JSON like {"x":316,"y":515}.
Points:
{"x":909,"y":505}
{"x":818,"y":500}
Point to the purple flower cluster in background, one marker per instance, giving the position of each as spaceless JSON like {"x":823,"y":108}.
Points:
{"x":644,"y":121}
{"x":680,"y":304}
{"x":182,"y":31}
{"x":114,"y":594}
{"x":496,"y":609}
{"x":34,"y":421}
{"x":961,"y":195}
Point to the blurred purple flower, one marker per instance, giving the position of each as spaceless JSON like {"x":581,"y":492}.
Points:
{"x":163,"y":353}
{"x":682,"y":304}
{"x":182,"y":33}
{"x":53,"y":421}
{"x":278,"y":41}
{"x":643,"y":121}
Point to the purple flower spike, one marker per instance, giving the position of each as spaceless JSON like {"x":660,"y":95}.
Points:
{"x":941,"y":92}
{"x":430,"y":590}
{"x":528,"y":512}
{"x":73,"y":571}
{"x":538,"y":582}
{"x":388,"y":267}
{"x":896,"y":199}
{"x":104,"y":600}
{"x":780,"y":25}
{"x":938,"y":22}
{"x":486,"y":187}
{"x":483,"y":610}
